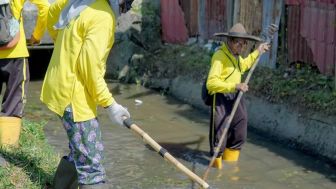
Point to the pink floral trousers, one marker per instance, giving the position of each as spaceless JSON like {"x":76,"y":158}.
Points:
{"x":86,"y":149}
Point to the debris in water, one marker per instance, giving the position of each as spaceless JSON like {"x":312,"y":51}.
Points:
{"x":138,"y":102}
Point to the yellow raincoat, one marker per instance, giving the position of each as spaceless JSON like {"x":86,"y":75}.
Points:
{"x":225,"y":72}
{"x":20,"y":50}
{"x":75,"y":75}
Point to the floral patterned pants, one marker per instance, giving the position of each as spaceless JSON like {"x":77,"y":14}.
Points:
{"x":86,"y":148}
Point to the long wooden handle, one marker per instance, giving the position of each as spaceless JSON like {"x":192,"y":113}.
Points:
{"x":227,"y":124}
{"x":164,"y":153}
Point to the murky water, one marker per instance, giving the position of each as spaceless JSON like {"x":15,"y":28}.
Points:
{"x":183,"y":130}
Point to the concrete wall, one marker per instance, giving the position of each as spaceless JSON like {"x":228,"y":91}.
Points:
{"x":302,"y":129}
{"x":310,"y":131}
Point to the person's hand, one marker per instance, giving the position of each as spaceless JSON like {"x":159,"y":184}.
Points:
{"x":33,"y":41}
{"x":242,"y":87}
{"x":117,"y":113}
{"x":263,"y":47}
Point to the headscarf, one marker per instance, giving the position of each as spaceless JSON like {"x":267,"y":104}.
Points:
{"x":4,"y":2}
{"x":115,"y":7}
{"x":75,"y":7}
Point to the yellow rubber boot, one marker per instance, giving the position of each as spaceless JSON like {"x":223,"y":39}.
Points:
{"x":231,"y":155}
{"x":217,"y":163}
{"x":10,"y":128}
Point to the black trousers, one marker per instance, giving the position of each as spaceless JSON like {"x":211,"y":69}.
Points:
{"x":14,"y":72}
{"x":237,"y":132}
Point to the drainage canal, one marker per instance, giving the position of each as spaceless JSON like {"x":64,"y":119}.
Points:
{"x":39,"y":57}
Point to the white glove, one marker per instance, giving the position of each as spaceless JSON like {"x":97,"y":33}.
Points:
{"x":117,"y":113}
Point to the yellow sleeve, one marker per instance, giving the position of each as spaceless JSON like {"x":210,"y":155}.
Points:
{"x":98,"y":37}
{"x":17,"y":6}
{"x":41,"y":22}
{"x":215,"y":81}
{"x":54,"y":12}
{"x":246,"y":63}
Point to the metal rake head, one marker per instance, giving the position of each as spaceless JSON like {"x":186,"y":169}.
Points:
{"x":268,"y":35}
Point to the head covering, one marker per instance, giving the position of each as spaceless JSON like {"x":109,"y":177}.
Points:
{"x":74,"y":8}
{"x":4,"y":2}
{"x":238,"y":31}
{"x":115,"y":7}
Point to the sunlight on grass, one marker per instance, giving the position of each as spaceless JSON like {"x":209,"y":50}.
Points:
{"x":33,"y":163}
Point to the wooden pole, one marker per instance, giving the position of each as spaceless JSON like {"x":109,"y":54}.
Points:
{"x":164,"y":153}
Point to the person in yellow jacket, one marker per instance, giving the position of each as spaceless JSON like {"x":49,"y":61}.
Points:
{"x":74,"y":85}
{"x":14,"y":71}
{"x":224,"y":82}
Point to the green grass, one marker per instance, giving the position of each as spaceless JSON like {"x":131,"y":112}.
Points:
{"x":172,"y":61}
{"x":33,"y":163}
{"x":301,"y":86}
{"x":295,"y":84}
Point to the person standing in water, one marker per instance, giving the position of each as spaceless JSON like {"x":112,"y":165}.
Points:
{"x":224,"y":83}
{"x":74,"y":85}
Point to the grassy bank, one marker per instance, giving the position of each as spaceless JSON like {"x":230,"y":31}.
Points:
{"x":299,"y":85}
{"x":31,"y":165}
{"x":295,"y":84}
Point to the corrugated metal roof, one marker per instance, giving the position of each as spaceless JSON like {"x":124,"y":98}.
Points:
{"x":311,"y":32}
{"x":303,"y":2}
{"x":251,"y":15}
{"x":190,"y":9}
{"x":206,"y":17}
{"x":172,"y":20}
{"x":216,"y":18}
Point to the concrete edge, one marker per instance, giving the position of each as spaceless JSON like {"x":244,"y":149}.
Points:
{"x":302,"y":129}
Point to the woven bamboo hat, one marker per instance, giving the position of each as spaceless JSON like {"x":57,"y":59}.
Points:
{"x":238,"y":31}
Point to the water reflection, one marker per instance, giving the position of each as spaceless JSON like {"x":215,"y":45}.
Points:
{"x":182,"y":130}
